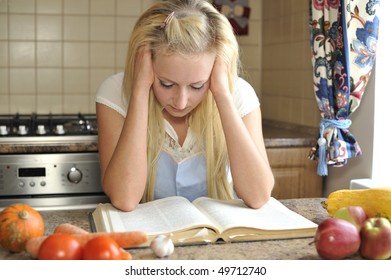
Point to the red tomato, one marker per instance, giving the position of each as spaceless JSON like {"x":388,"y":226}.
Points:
{"x":102,"y":248}
{"x":60,"y":246}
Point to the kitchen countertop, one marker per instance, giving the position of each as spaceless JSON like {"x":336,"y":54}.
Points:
{"x":279,"y":135}
{"x":43,"y":144}
{"x":285,"y":249}
{"x":276,"y":135}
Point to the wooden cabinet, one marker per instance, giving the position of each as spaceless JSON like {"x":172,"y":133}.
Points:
{"x":295,"y":175}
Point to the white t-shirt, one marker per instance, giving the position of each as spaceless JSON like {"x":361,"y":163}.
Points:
{"x":181,"y":170}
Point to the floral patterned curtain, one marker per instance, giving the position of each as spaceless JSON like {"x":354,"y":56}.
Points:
{"x":344,"y":35}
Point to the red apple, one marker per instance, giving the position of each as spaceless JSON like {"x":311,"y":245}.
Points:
{"x":336,"y":239}
{"x":376,"y":239}
{"x":353,"y":214}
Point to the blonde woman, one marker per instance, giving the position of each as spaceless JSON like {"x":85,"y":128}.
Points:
{"x":179,"y":120}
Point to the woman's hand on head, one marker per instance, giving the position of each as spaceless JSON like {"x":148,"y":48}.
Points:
{"x":219,"y":84}
{"x":143,"y":70}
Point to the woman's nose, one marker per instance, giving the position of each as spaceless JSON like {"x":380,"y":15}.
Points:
{"x":180,"y":99}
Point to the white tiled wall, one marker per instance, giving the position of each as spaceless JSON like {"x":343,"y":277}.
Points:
{"x":55,"y":53}
{"x":287,"y":88}
{"x":251,"y":46}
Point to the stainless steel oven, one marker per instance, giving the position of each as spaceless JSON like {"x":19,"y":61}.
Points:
{"x":50,"y":161}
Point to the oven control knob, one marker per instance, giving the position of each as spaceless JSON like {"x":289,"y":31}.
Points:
{"x":59,"y":129}
{"x":75,"y":175}
{"x":22,"y":130}
{"x":3,"y":130}
{"x":41,"y":130}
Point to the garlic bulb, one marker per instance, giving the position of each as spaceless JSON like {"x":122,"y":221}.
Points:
{"x":162,"y":246}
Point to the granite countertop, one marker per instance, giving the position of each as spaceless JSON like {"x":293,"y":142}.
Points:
{"x":49,"y":145}
{"x":279,"y":135}
{"x":285,"y":249}
{"x":276,"y":135}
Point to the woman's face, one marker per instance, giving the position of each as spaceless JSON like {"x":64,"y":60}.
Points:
{"x":181,"y":81}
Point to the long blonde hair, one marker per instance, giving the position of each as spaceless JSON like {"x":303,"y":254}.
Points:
{"x":196,"y":27}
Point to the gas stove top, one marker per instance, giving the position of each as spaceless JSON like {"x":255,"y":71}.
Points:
{"x":48,"y":128}
{"x":25,"y":125}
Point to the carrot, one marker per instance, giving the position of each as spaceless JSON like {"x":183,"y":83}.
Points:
{"x":124,"y":240}
{"x":69,"y":229}
{"x":125,"y":255}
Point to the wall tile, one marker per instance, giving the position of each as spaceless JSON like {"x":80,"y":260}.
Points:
{"x":285,"y":84}
{"x":23,"y":104}
{"x":102,"y":55}
{"x":76,"y":28}
{"x":76,"y":55}
{"x":76,"y":81}
{"x":267,"y":57}
{"x":4,"y":82}
{"x":3,"y":27}
{"x":127,"y":8}
{"x":22,"y":54}
{"x":50,"y":103}
{"x":251,"y":56}
{"x":272,"y":9}
{"x":267,"y":32}
{"x":124,"y":27}
{"x":306,"y":86}
{"x":3,"y":6}
{"x":21,"y":6}
{"x":78,"y":7}
{"x":49,"y":54}
{"x":287,"y":7}
{"x":49,"y":28}
{"x":102,"y":28}
{"x":102,"y":7}
{"x":21,"y":27}
{"x":91,"y":104}
{"x":311,"y":115}
{"x":286,"y":62}
{"x":255,"y":13}
{"x":22,"y":81}
{"x":269,"y":107}
{"x":120,"y":54}
{"x":146,"y":4}
{"x":300,"y":6}
{"x":4,"y":103}
{"x":76,"y":103}
{"x":49,"y":6}
{"x":300,"y":27}
{"x":49,"y":81}
{"x":267,"y":81}
{"x":296,"y":106}
{"x":4,"y":54}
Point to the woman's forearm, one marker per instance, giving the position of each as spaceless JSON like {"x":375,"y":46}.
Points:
{"x":125,"y":177}
{"x":251,"y":173}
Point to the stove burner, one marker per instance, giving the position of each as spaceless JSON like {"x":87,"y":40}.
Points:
{"x":47,"y":125}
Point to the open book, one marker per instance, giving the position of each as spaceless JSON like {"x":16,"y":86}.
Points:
{"x":204,"y":220}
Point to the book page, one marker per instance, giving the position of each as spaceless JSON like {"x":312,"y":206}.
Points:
{"x":161,"y":216}
{"x":234,"y":213}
